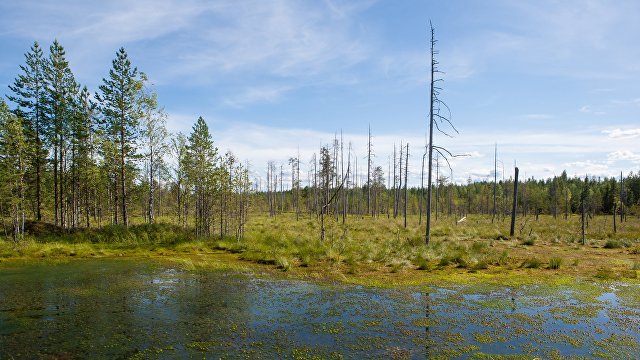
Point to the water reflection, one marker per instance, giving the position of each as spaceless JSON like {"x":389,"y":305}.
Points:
{"x":121,"y":309}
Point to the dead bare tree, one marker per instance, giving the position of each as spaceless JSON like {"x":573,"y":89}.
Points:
{"x":426,"y":149}
{"x":438,"y":121}
{"x":406,"y":167}
{"x":369,"y":174}
{"x":326,"y":174}
{"x":514,"y":208}
{"x":495,"y":180}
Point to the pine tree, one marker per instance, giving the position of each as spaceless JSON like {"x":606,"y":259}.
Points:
{"x":29,"y":94}
{"x":119,"y":104}
{"x":59,"y":100}
{"x":83,"y":166}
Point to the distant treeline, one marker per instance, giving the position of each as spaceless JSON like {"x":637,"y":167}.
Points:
{"x":557,"y":196}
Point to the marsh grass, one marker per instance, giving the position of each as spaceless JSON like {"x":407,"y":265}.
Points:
{"x":613,"y":244}
{"x":529,"y":242}
{"x":531,"y":263}
{"x":359,"y":246}
{"x":555,"y":263}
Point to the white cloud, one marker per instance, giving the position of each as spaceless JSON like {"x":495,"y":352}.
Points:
{"x":111,"y":23}
{"x":204,"y":41}
{"x":624,"y":155}
{"x":588,"y":167}
{"x":278,"y":38}
{"x":585,"y":109}
{"x":623,"y":134}
{"x":253,"y":95}
{"x":538,"y":116}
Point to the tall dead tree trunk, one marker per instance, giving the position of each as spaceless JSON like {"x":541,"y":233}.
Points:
{"x":406,"y":167}
{"x":582,"y":212}
{"x":422,"y":187}
{"x":435,"y":120}
{"x":495,"y":181}
{"x":437,"y":184}
{"x":615,"y":205}
{"x":621,"y":198}
{"x":431,"y":124}
{"x":395,"y":196}
{"x":369,"y":174}
{"x":515,"y":204}
{"x":389,"y":189}
{"x":399,"y":192}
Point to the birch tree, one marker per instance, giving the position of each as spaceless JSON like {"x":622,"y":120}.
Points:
{"x":155,"y":134}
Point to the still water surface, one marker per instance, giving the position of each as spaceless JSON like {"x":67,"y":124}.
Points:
{"x":140,"y":309}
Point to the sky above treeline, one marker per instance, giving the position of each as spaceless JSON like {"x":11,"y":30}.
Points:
{"x":553,"y":83}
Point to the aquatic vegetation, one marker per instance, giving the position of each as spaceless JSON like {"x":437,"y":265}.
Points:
{"x":158,"y":309}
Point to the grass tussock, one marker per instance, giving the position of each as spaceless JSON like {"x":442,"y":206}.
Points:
{"x":555,"y":263}
{"x":529,"y":242}
{"x":531,"y":263}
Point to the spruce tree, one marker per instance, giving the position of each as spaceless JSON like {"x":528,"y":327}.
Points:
{"x":120,"y":108}
{"x":201,"y":174}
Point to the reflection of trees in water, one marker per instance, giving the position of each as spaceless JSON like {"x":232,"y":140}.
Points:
{"x":427,"y":316}
{"x":208,"y":306}
{"x":114,"y":309}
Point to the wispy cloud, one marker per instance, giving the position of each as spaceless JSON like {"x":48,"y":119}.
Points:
{"x":588,"y":167}
{"x":624,"y":155}
{"x":283,"y":39}
{"x":253,"y":95}
{"x":539,"y":116}
{"x":623,"y":134}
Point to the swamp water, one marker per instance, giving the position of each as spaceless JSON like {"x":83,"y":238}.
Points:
{"x":140,"y":309}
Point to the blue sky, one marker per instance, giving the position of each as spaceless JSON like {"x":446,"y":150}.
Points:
{"x":553,"y":83}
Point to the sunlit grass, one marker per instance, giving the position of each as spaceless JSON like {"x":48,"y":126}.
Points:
{"x":361,"y":245}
